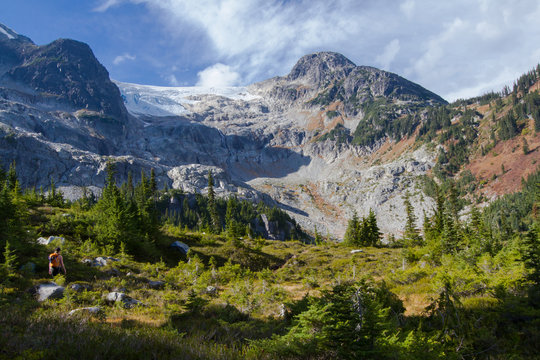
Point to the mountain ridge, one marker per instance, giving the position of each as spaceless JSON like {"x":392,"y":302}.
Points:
{"x":315,"y":141}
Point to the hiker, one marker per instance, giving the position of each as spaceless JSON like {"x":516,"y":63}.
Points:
{"x":56,"y":262}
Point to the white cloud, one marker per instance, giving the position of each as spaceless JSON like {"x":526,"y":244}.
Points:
{"x":494,"y":84}
{"x":172,"y":80}
{"x":218,"y":75}
{"x":388,"y":55}
{"x":449,"y":47}
{"x":106,"y":4}
{"x":121,"y":58}
{"x":407,"y":7}
{"x":263,"y":36}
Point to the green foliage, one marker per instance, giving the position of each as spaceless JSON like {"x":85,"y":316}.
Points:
{"x":349,"y":321}
{"x":411,"y":235}
{"x":215,"y":221}
{"x":339,"y":134}
{"x":363,"y":232}
{"x":10,"y":260}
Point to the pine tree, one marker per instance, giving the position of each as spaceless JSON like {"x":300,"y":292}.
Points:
{"x":439,"y":210}
{"x":10,"y":259}
{"x":449,"y":233}
{"x":215,"y":223}
{"x":153,"y":183}
{"x":232,"y":225}
{"x":372,"y":229}
{"x":114,"y":222}
{"x":12,"y":176}
{"x":352,"y":237}
{"x":411,"y":234}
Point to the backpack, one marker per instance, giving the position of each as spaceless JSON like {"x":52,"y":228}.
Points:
{"x":54,"y":260}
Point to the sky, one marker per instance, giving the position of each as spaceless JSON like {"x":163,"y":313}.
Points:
{"x":457,"y":49}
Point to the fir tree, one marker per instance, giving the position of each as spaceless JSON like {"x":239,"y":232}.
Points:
{"x":215,"y":223}
{"x":232,"y":225}
{"x":373,"y":233}
{"x":114,"y":223}
{"x":10,"y":259}
{"x":12,"y":176}
{"x":153,"y":183}
{"x":411,"y":234}
{"x":352,"y":237}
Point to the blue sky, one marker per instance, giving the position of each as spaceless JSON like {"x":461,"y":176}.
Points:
{"x":457,"y":48}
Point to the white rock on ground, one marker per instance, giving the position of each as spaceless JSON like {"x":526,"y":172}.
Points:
{"x":49,"y":291}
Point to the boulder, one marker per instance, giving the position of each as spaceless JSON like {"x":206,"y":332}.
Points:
{"x":102,"y":261}
{"x":180,"y":246}
{"x":211,"y":290}
{"x":93,"y":310}
{"x":156,"y":284}
{"x":80,"y":287}
{"x":47,"y":241}
{"x":99,"y":261}
{"x":49,"y":291}
{"x":120,"y":297}
{"x":356,"y":251}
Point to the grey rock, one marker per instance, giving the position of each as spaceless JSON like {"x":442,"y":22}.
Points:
{"x":180,"y":246}
{"x":120,"y":297}
{"x":357,"y":251}
{"x":211,"y":290}
{"x":47,"y":241}
{"x":80,"y":287}
{"x":99,"y":261}
{"x":49,"y":291}
{"x":93,"y":310}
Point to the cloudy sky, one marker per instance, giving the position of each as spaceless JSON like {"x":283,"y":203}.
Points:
{"x":458,"y":48}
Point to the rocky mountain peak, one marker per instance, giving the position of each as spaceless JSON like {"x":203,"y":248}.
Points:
{"x":319,"y":67}
{"x":6,"y":32}
{"x":69,"y":70}
{"x":13,"y":47}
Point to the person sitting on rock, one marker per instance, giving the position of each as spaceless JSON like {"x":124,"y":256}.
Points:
{"x":56,"y":262}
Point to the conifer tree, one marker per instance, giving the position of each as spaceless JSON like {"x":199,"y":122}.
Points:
{"x":114,"y":223}
{"x":449,"y":233}
{"x":372,"y":229}
{"x":153,"y":183}
{"x":352,"y":233}
{"x":411,"y":234}
{"x":10,"y":259}
{"x":215,"y":223}
{"x":232,"y":226}
{"x":12,"y":176}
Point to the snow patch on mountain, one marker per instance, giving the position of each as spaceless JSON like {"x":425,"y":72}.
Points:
{"x":9,"y":36}
{"x":169,"y":101}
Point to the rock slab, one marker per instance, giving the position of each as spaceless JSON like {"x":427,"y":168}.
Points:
{"x":49,"y":291}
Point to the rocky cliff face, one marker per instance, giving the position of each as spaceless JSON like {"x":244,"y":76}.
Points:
{"x":65,"y":71}
{"x":61,"y":117}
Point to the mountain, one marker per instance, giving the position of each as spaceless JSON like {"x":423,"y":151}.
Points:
{"x":64,"y":70}
{"x":323,"y":142}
